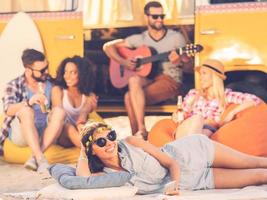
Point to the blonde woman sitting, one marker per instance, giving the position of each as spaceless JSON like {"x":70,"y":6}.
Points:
{"x":207,"y":106}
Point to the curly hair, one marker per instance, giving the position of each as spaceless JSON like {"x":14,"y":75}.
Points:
{"x":95,"y":164}
{"x":85,"y":72}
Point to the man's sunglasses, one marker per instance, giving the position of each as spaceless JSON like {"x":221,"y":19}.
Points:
{"x":42,"y":71}
{"x":102,"y":141}
{"x":157,"y":16}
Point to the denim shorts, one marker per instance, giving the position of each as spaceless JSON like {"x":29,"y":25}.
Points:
{"x":195,"y":155}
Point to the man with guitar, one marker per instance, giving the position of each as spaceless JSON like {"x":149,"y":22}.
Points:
{"x":166,"y":84}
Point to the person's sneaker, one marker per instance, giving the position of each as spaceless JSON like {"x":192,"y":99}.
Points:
{"x":31,"y":164}
{"x":42,"y":165}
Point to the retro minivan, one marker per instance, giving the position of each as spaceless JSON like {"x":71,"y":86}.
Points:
{"x":232,"y":31}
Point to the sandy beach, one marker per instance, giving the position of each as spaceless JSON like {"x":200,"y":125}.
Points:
{"x":16,"y":179}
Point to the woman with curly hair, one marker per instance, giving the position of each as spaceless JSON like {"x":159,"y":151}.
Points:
{"x":74,"y":84}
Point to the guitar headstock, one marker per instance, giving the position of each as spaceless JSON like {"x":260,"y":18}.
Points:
{"x":191,"y":49}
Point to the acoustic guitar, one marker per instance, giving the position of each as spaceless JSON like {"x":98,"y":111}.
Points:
{"x":119,"y":75}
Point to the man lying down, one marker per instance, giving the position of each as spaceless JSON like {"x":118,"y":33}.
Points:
{"x":191,"y":163}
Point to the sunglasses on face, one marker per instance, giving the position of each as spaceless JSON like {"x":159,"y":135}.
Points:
{"x":102,"y":141}
{"x":157,"y":16}
{"x":42,"y":71}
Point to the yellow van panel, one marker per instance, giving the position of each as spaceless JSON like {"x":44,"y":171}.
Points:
{"x":2,"y":26}
{"x":61,"y":33}
{"x":234,"y":33}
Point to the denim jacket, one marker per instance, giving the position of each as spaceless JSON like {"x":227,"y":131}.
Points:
{"x":66,"y":176}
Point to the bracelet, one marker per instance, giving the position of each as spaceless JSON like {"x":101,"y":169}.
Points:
{"x":83,"y":158}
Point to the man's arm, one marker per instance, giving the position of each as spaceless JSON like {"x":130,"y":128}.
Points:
{"x":12,"y":104}
{"x":110,"y":48}
{"x":14,"y":108}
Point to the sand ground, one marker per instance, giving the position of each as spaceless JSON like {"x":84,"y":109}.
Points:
{"x":15,"y":179}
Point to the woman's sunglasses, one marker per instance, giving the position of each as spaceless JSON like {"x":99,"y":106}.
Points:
{"x":102,"y":141}
{"x":157,"y":16}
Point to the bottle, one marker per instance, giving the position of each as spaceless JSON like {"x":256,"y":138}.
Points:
{"x":178,"y":116}
{"x":43,"y":105}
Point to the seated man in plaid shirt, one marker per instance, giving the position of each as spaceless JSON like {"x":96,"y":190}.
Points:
{"x":26,"y":102}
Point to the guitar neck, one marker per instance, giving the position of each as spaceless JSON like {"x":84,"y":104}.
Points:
{"x":158,"y":57}
{"x":190,"y":49}
{"x":161,"y":56}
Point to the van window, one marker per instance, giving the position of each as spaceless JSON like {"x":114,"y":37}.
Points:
{"x":8,"y":6}
{"x":115,"y":14}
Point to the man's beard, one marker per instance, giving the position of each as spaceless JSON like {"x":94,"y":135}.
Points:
{"x":157,"y":28}
{"x":40,"y":79}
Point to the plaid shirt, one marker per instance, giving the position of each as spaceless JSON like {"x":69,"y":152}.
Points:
{"x":15,"y":92}
{"x":194,"y":103}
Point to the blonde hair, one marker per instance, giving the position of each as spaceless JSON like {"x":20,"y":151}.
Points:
{"x":217,"y":91}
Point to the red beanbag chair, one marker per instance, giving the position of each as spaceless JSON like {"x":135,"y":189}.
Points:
{"x":247,"y":133}
{"x":162,"y":132}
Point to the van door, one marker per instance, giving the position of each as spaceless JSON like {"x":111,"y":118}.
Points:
{"x":234,"y":33}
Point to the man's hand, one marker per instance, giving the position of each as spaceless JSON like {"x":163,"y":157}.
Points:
{"x":38,"y":98}
{"x":174,"y":58}
{"x":129,"y":63}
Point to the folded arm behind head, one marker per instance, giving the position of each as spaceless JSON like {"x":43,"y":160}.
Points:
{"x":66,"y":176}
